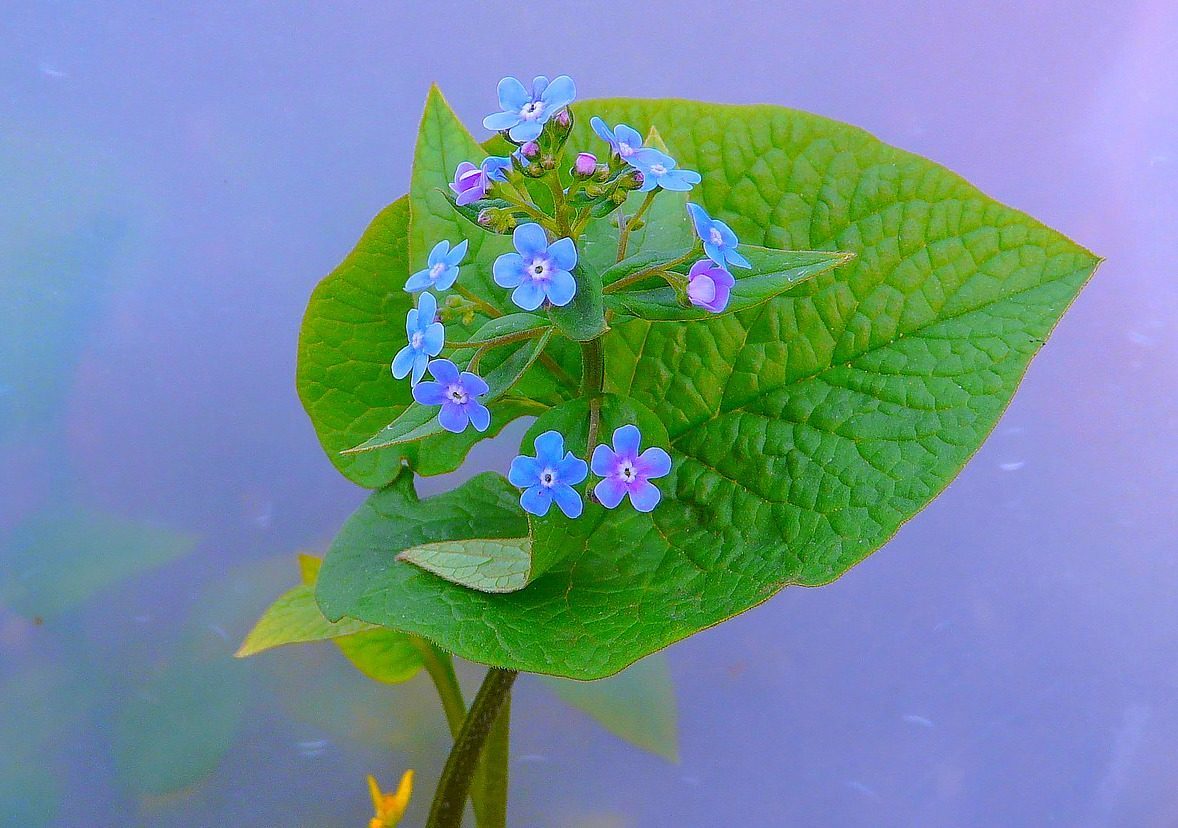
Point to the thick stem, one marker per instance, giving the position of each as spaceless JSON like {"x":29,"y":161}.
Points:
{"x":558,"y":204}
{"x":490,"y":785}
{"x":450,"y":797}
{"x":592,"y":385}
{"x":440,"y":667}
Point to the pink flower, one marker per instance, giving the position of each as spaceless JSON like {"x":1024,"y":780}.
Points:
{"x":709,"y":286}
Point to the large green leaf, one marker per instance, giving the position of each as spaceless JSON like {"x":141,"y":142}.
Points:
{"x":803,"y":432}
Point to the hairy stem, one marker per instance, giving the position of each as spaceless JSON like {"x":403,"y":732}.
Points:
{"x":459,"y":772}
{"x":647,"y":272}
{"x":592,"y":385}
{"x":490,"y":784}
{"x":483,"y":305}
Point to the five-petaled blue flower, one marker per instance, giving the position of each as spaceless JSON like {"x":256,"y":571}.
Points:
{"x":622,"y":139}
{"x":549,"y":476}
{"x":719,"y":240}
{"x":658,"y":170}
{"x":525,"y":113}
{"x":426,"y":338}
{"x":457,"y":394}
{"x":538,"y":270}
{"x":441,"y":268}
{"x":626,"y":472}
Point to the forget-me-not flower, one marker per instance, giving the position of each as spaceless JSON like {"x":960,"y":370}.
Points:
{"x":525,"y":112}
{"x":626,"y":472}
{"x":457,"y":394}
{"x":426,"y":338}
{"x":549,"y":476}
{"x":719,"y":240}
{"x":441,"y":268}
{"x":622,"y":139}
{"x":539,"y":270}
{"x":659,"y":170}
{"x":471,"y":183}
{"x":709,"y":286}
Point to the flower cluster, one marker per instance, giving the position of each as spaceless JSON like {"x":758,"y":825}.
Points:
{"x":543,"y":273}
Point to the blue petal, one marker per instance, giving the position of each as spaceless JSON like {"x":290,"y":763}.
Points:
{"x":726,"y":234}
{"x":735,"y":258}
{"x":427,"y":309}
{"x":539,"y":84}
{"x":645,"y":495}
{"x":654,"y":462}
{"x":512,"y":95}
{"x":429,"y":393}
{"x":447,"y":279}
{"x":524,"y":471}
{"x":403,"y":362}
{"x":603,"y":131}
{"x":563,"y":253}
{"x":526,"y":131}
{"x":452,"y":417}
{"x":644,"y":159}
{"x":626,"y":441}
{"x":529,"y":239}
{"x":411,"y":322}
{"x":536,"y":500}
{"x":419,"y":363}
{"x":604,"y":461}
{"x":529,"y":295}
{"x":444,"y":371}
{"x":418,"y":281}
{"x":700,"y":218}
{"x":559,"y":94}
{"x":480,"y":417}
{"x":549,"y":448}
{"x":455,"y":256}
{"x":649,"y":182}
{"x":508,"y":270}
{"x":501,"y":121}
{"x":679,"y":181}
{"x":572,"y":469}
{"x":568,"y":500}
{"x":628,"y":135}
{"x":716,"y":254}
{"x":562,"y":287}
{"x":474,"y":384}
{"x":610,"y":492}
{"x":438,"y":253}
{"x":434,"y":339}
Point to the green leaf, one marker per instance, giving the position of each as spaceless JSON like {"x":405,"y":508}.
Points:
{"x":773,"y":273}
{"x":418,"y":422}
{"x":803,"y":432}
{"x":638,"y":704}
{"x":57,"y":559}
{"x":387,"y":656}
{"x":485,"y":564}
{"x":295,"y":618}
{"x":583,"y":318}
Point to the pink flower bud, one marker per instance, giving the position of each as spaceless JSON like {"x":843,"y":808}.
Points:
{"x":585,"y":165}
{"x":563,"y":119}
{"x":530,"y":150}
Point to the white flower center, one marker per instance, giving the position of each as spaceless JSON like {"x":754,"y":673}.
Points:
{"x":548,"y":478}
{"x":626,"y":472}
{"x":658,"y":169}
{"x":416,"y":339}
{"x":716,"y":238}
{"x":437,"y":270}
{"x":624,"y":149}
{"x":456,"y":393}
{"x":532,"y":110}
{"x":539,"y":270}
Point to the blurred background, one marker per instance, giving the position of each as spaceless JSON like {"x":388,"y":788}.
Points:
{"x":177,"y":177}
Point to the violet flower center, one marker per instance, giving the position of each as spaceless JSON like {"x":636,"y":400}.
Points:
{"x":456,"y":393}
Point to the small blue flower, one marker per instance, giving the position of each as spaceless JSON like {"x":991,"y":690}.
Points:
{"x":457,"y":394}
{"x":719,"y":240}
{"x":426,"y":338}
{"x":441,"y":268}
{"x":549,"y":476}
{"x":539,"y":270}
{"x":525,"y":113}
{"x":658,"y":170}
{"x":623,"y":140}
{"x":626,"y":472}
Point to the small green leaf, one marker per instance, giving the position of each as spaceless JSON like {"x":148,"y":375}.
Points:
{"x":485,"y":564}
{"x":387,"y":656}
{"x":583,"y":318}
{"x":637,"y":704}
{"x":420,"y":421}
{"x":295,"y":618}
{"x":773,"y":273}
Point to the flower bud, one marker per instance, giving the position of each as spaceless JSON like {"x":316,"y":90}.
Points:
{"x":585,"y":165}
{"x":530,"y":150}
{"x":601,"y":173}
{"x":563,"y":119}
{"x":631,"y":179}
{"x":548,"y":162}
{"x":497,"y":219}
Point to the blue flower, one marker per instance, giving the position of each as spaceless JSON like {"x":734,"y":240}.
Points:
{"x":623,"y":140}
{"x":549,"y":476}
{"x":626,"y":472}
{"x":525,"y":113}
{"x":426,"y":338}
{"x":441,"y":268}
{"x":539,"y":270}
{"x":658,"y":170}
{"x":719,"y":240}
{"x":457,"y":394}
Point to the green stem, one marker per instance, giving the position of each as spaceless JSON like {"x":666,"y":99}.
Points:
{"x":647,"y":272}
{"x":490,"y":785}
{"x":627,"y":223}
{"x":496,"y":341}
{"x":440,"y":667}
{"x":458,"y":774}
{"x":592,"y":384}
{"x":558,"y":204}
{"x":483,"y":305}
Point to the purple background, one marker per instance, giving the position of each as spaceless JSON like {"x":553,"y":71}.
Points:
{"x":177,"y":179}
